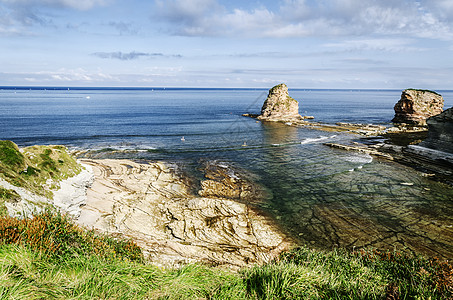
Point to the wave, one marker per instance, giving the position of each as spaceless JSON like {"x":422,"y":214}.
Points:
{"x":316,"y":140}
{"x":359,"y":158}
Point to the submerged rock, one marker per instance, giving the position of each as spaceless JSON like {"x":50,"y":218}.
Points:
{"x":440,"y":132}
{"x":415,"y":106}
{"x":225,"y":181}
{"x":279,"y":106}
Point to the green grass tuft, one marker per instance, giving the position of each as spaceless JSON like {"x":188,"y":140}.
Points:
{"x":7,"y":196}
{"x":11,"y":156}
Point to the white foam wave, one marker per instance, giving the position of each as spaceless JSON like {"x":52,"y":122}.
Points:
{"x":359,"y":158}
{"x":316,"y":140}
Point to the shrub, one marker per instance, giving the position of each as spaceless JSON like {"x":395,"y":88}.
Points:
{"x":57,"y":237}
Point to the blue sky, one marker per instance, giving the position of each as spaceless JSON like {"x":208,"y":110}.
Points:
{"x":392,"y":44}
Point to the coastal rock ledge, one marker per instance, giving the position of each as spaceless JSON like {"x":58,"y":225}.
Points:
{"x":159,"y":207}
{"x":415,"y":106}
{"x":279,"y":106}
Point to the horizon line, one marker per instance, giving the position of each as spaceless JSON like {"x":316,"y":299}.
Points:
{"x":45,"y":87}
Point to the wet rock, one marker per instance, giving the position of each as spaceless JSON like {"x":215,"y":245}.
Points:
{"x":279,"y":106}
{"x":224,"y":181}
{"x":440,"y":132}
{"x":415,"y":106}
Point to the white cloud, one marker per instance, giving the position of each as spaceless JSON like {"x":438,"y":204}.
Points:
{"x":131,"y":55}
{"x":388,"y":45}
{"x":301,"y":18}
{"x":74,"y":4}
{"x":17,"y":15}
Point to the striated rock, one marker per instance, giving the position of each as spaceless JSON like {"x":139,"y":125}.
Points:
{"x":279,"y":106}
{"x":156,"y":206}
{"x":415,"y":106}
{"x":225,"y":182}
{"x":440,"y":132}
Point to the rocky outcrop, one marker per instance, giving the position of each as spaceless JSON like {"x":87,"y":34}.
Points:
{"x":279,"y":106}
{"x":158,"y":207}
{"x":415,"y":106}
{"x":440,"y":132}
{"x":226,"y":182}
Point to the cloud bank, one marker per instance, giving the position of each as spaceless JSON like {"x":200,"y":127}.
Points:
{"x":131,"y":55}
{"x":304,"y":18}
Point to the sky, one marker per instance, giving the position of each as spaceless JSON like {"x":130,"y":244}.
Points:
{"x":364,"y":44}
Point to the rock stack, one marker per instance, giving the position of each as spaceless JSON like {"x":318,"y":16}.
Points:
{"x":279,"y":106}
{"x":415,"y":106}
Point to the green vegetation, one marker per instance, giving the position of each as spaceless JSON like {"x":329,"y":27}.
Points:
{"x":278,"y":86}
{"x":58,"y":239}
{"x":6,"y":196}
{"x":424,"y":91}
{"x":48,"y":257}
{"x":32,"y":167}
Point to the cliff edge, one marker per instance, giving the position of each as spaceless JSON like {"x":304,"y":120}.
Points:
{"x":415,"y":106}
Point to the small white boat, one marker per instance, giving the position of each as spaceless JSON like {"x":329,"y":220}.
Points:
{"x":183,"y":139}
{"x":245,"y":144}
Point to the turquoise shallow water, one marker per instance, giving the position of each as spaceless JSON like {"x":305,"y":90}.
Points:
{"x":321,"y":196}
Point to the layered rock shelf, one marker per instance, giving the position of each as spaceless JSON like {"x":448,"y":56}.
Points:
{"x":158,"y":207}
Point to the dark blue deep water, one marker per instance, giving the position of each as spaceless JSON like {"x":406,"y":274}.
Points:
{"x":321,"y":196}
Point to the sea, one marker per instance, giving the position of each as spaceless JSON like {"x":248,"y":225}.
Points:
{"x":320,"y":197}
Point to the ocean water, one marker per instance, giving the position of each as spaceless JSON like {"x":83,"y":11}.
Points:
{"x":320,"y":196}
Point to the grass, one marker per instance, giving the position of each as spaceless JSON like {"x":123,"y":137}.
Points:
{"x":37,"y":168}
{"x":424,"y":91}
{"x":58,"y":238}
{"x":6,"y":196}
{"x":48,"y":257}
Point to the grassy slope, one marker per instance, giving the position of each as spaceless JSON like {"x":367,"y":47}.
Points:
{"x":32,"y":167}
{"x":48,"y":257}
{"x":36,"y":168}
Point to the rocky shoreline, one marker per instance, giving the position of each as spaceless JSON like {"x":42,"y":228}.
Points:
{"x":156,"y":205}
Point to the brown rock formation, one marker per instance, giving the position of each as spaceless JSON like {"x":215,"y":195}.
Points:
{"x":440,"y":132}
{"x":415,"y":106}
{"x":279,"y":106}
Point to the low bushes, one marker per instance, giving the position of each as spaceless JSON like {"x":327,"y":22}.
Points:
{"x":56,"y":237}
